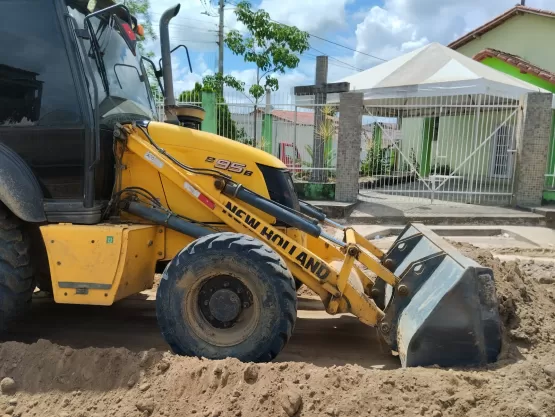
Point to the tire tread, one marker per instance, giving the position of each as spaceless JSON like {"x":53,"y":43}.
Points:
{"x":262,"y":252}
{"x":16,"y":272}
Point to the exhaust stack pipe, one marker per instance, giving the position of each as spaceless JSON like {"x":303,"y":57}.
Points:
{"x":169,"y":99}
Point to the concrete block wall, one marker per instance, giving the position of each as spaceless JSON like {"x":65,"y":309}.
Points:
{"x":349,"y":146}
{"x":532,"y":149}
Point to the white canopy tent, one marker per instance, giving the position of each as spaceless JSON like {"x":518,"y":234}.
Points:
{"x":446,"y":117}
{"x":431,"y":71}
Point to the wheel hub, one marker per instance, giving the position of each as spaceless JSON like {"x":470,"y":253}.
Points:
{"x":225,"y":305}
{"x":223,"y":299}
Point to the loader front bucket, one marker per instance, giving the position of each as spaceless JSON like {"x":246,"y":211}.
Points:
{"x":444,"y":310}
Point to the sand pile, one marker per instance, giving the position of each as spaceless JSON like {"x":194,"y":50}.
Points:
{"x":44,"y":379}
{"x":526,"y":298}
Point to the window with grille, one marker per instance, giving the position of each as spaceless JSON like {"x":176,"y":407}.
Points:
{"x":502,"y":155}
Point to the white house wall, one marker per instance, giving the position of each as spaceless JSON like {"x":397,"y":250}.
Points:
{"x":458,"y":138}
{"x":411,"y":141}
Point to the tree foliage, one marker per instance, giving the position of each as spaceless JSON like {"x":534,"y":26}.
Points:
{"x":225,"y":125}
{"x":326,"y":129}
{"x":272,"y":47}
{"x":216,"y":83}
{"x":141,"y":10}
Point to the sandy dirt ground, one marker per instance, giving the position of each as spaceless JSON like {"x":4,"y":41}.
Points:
{"x":68,"y":361}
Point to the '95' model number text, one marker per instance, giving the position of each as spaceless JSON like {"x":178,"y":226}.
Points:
{"x":230,"y":166}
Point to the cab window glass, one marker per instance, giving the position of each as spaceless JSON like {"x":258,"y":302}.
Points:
{"x":36,"y":84}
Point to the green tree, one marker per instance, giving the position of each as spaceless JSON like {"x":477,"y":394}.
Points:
{"x":217,"y":82}
{"x":326,"y":129}
{"x":141,"y":10}
{"x":225,"y":125}
{"x":272,"y":47}
{"x":192,"y":96}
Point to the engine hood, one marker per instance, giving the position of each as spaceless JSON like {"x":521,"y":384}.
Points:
{"x":168,"y":135}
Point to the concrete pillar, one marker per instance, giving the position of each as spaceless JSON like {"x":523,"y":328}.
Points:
{"x":349,"y":146}
{"x":533,"y":137}
{"x":210,"y":122}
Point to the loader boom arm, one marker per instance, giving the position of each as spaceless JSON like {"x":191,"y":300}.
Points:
{"x":431,"y":304}
{"x":332,"y":285}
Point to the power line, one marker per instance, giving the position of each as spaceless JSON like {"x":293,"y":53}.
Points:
{"x":193,"y":41}
{"x":327,"y":40}
{"x":337,"y":60}
{"x":334,"y":64}
{"x":346,"y":47}
{"x":314,"y":57}
{"x":208,"y":8}
{"x":194,"y":27}
{"x":184,"y":25}
{"x":187,"y":18}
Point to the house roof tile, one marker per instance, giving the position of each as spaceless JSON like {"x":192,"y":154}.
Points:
{"x":517,"y":10}
{"x":522,"y":64}
{"x":303,"y":118}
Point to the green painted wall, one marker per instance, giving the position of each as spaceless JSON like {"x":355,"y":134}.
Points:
{"x":412,"y":131}
{"x":528,"y":36}
{"x":209,"y":124}
{"x":549,"y":193}
{"x":509,"y":69}
{"x":267,"y":132}
{"x":377,"y":136}
{"x":427,"y":139}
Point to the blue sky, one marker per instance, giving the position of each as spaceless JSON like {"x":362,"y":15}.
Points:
{"x":382,"y":28}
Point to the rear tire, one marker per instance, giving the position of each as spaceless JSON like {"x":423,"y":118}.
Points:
{"x":227,"y":295}
{"x":16,"y":273}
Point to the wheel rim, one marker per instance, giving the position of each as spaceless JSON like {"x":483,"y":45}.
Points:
{"x":222,"y":310}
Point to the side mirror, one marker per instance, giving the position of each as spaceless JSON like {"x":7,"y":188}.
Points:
{"x":175,"y":49}
{"x":157,"y":73}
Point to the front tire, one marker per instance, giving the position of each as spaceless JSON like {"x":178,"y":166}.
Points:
{"x":16,"y":273}
{"x":227,"y":295}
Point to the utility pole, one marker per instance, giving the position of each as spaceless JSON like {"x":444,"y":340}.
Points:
{"x":221,"y":39}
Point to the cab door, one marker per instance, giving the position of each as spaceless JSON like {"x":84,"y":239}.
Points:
{"x":41,"y":113}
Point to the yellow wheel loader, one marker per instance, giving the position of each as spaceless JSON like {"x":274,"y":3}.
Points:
{"x":96,"y":195}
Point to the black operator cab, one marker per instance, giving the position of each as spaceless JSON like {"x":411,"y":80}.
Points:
{"x":69,"y":70}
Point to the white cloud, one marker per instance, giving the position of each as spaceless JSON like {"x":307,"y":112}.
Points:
{"x":317,"y":16}
{"x":198,"y":31}
{"x":183,"y":79}
{"x":286,"y":83}
{"x":403,"y":25}
{"x":398,"y":26}
{"x":385,"y":35}
{"x":191,"y":28}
